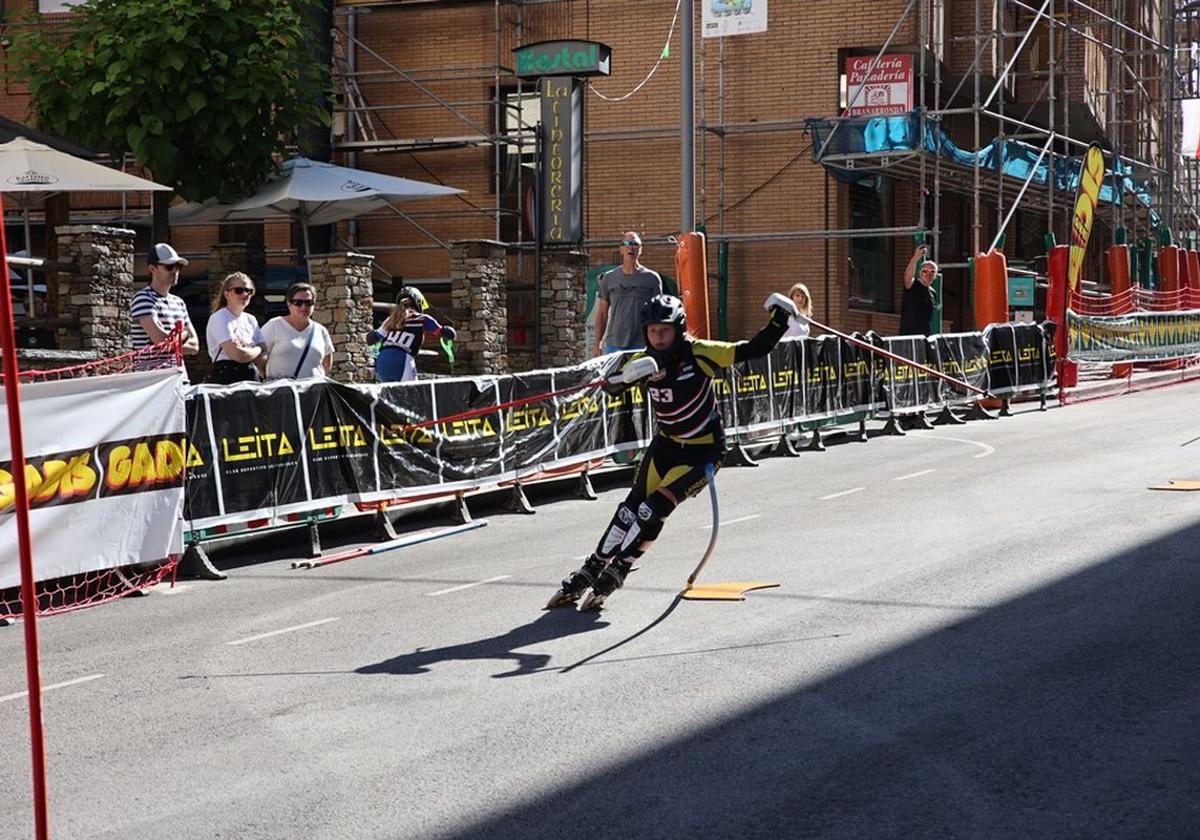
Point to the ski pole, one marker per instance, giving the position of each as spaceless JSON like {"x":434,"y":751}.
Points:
{"x":897,"y":358}
{"x":710,"y":471}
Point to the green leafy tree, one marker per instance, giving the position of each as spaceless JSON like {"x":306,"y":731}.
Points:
{"x":202,"y":92}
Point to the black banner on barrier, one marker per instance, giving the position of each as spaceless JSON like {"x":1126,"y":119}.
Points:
{"x":257,"y":452}
{"x":260,"y":447}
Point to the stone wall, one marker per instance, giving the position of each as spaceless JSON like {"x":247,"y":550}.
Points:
{"x":562,"y":298}
{"x":479,"y":306}
{"x":344,"y":301}
{"x":97,"y":290}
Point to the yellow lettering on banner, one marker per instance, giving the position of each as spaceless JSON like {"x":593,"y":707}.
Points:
{"x":784,"y":378}
{"x":345,"y":436}
{"x":193,"y":458}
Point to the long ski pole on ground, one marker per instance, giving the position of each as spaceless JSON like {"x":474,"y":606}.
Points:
{"x":402,"y":542}
{"x":866,"y":345}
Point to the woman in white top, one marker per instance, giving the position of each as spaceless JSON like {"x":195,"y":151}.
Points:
{"x":297,"y":346}
{"x":798,"y":327}
{"x":234,"y":340}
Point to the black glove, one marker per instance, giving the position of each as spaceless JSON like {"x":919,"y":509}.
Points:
{"x":449,"y":332}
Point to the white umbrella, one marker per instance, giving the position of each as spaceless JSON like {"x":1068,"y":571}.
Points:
{"x":33,"y":172}
{"x":315,"y":193}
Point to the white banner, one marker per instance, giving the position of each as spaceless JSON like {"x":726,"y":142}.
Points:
{"x":105,"y":459}
{"x":1190,"y":143}
{"x":732,"y":17}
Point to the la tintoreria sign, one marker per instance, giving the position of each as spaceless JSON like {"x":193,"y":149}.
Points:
{"x":562,"y":160}
{"x":558,"y":66}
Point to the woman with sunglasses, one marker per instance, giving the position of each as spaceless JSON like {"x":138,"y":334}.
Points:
{"x":297,"y":346}
{"x":235,"y":342}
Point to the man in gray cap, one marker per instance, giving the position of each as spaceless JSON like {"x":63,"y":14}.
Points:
{"x":154,"y":311}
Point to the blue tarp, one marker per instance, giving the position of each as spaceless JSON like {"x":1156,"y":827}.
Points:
{"x":902,"y":133}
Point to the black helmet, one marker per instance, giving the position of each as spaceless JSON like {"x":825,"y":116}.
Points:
{"x":664,"y":309}
{"x":414,"y":296}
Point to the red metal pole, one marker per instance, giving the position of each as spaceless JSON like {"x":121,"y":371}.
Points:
{"x":8,"y":349}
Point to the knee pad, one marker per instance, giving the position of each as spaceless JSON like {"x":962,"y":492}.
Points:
{"x":650,"y":514}
{"x":615,"y":534}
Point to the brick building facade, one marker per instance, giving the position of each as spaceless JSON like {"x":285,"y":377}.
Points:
{"x":423,"y":89}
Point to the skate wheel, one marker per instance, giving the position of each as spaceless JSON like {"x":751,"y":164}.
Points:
{"x":559,"y":600}
{"x":591,"y":602}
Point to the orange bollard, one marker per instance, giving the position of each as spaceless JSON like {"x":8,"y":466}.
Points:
{"x":1118,"y":271}
{"x":691,"y":271}
{"x":1193,"y":274}
{"x":991,"y":289}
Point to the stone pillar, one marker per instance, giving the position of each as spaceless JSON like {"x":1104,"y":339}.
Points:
{"x":250,"y":258}
{"x":562,"y":298}
{"x":479,"y":304}
{"x":344,"y":302}
{"x":98,"y":289}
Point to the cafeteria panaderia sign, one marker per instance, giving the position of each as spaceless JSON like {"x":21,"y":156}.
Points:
{"x":563,"y":58}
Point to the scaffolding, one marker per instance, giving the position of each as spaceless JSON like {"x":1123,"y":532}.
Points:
{"x":1047,"y":77}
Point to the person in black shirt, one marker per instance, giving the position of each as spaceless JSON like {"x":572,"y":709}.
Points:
{"x":916,"y":303}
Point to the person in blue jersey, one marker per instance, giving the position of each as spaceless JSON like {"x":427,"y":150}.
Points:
{"x":402,"y":334}
{"x":677,"y":371}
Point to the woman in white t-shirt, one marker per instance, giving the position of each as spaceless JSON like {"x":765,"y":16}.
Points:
{"x":798,"y":327}
{"x":297,"y":346}
{"x":235,"y":343}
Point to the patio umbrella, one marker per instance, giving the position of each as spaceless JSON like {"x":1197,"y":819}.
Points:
{"x":315,"y":193}
{"x":33,"y":172}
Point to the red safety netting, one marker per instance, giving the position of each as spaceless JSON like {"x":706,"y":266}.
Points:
{"x":85,"y":590}
{"x":1135,"y":299}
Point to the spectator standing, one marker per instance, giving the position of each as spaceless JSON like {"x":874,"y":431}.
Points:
{"x":798,"y":327}
{"x":916,"y":304}
{"x":154,"y":311}
{"x":297,"y":347}
{"x":402,"y":334}
{"x":234,"y":340}
{"x":623,"y":292}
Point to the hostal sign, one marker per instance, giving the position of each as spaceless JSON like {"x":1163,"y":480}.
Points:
{"x":563,"y":58}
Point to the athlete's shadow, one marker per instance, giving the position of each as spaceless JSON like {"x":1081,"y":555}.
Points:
{"x":553,"y":624}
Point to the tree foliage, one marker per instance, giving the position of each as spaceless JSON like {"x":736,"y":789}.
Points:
{"x":202,"y":92}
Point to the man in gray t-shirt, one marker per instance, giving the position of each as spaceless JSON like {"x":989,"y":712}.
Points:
{"x":623,"y":291}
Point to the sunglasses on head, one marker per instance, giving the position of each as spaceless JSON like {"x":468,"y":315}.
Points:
{"x":631,"y":243}
{"x":302,"y":302}
{"x":240,"y":290}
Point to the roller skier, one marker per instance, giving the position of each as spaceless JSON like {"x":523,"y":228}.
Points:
{"x":677,"y":371}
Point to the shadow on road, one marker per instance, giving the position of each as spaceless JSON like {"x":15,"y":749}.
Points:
{"x":553,"y":624}
{"x":1073,"y":711}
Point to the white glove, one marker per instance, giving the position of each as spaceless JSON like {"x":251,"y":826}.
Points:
{"x":778,"y":301}
{"x":635,"y":371}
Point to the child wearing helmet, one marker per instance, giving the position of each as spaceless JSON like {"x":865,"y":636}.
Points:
{"x":402,"y":334}
{"x":689,"y":436}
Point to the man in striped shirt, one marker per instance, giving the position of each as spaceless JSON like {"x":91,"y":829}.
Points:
{"x":154,"y":311}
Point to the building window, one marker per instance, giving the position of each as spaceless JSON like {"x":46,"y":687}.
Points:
{"x":872,"y":258}
{"x":520,"y":116}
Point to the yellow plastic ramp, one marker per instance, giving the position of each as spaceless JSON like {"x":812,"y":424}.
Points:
{"x":1178,"y":484}
{"x":723,"y":591}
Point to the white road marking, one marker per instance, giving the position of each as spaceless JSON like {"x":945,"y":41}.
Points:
{"x":987,"y":450}
{"x":284,"y":630}
{"x":46,"y":688}
{"x":468,"y":585}
{"x":843,"y":493}
{"x":912,"y":475}
{"x":739,"y":519}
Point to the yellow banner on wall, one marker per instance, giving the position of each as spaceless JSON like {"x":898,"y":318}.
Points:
{"x":1090,"y":178}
